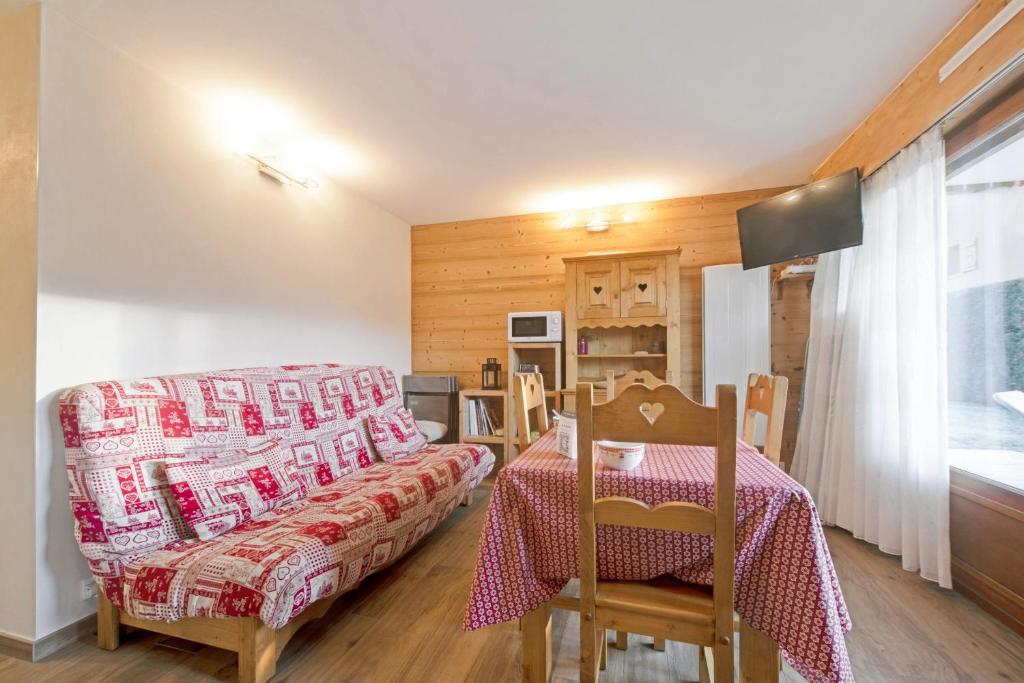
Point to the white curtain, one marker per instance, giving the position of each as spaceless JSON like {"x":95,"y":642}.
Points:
{"x":871,"y":446}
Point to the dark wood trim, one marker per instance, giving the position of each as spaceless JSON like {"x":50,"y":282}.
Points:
{"x":1004,"y":104}
{"x":962,"y":480}
{"x":993,"y":505}
{"x":991,"y":596}
{"x":986,"y":534}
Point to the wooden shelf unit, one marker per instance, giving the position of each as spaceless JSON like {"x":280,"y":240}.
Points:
{"x":492,"y":397}
{"x":630,"y":321}
{"x":627,"y":305}
{"x":484,"y":439}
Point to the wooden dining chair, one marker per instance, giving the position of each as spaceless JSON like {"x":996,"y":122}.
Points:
{"x":616,"y":385}
{"x":663,"y":607}
{"x":766,"y":395}
{"x":528,"y":397}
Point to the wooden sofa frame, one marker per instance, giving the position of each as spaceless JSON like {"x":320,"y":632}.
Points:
{"x":258,"y":646}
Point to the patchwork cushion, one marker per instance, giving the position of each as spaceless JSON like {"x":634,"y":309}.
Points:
{"x":395,"y":435}
{"x":216,"y":491}
{"x":274,"y":565}
{"x":129,"y":507}
{"x":328,"y":458}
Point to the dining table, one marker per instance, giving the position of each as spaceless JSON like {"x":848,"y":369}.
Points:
{"x":786,"y":594}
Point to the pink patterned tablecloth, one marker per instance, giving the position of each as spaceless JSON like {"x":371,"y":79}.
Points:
{"x":786,"y":585}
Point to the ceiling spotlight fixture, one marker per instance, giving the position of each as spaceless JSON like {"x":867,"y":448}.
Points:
{"x":266,"y":168}
{"x":597,"y":225}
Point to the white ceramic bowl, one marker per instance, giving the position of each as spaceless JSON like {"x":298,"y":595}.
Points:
{"x":620,"y":455}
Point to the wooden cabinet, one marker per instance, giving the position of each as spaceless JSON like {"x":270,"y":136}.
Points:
{"x":597,"y":289}
{"x":642,"y":287}
{"x":626,"y":288}
{"x":627,"y":306}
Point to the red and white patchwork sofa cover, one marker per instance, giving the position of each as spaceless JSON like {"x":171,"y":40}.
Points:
{"x":118,"y":434}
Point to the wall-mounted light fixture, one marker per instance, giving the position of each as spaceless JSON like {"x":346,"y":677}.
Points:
{"x":595,"y":224}
{"x":264,"y":165}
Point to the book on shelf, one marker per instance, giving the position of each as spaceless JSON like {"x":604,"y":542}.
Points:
{"x":482,"y":419}
{"x":494,"y":424}
{"x":470,"y":417}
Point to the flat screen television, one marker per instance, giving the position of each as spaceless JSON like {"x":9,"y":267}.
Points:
{"x":810,"y":220}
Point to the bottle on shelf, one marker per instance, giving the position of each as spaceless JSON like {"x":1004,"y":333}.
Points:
{"x":582,"y":346}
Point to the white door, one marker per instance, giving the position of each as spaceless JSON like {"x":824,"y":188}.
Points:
{"x":737,"y":330}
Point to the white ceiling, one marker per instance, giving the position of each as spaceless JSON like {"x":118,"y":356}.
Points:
{"x":474,"y":108}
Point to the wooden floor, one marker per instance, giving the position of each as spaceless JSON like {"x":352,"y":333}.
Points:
{"x":404,"y":625}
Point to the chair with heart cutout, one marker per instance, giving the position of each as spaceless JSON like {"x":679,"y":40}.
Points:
{"x":766,"y":395}
{"x":528,"y":397}
{"x":664,"y":607}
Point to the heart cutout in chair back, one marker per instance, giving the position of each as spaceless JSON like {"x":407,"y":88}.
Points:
{"x":651,"y":411}
{"x":533,"y":388}
{"x":642,"y":286}
{"x":597,"y":289}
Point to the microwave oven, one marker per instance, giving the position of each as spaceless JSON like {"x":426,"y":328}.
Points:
{"x":536,"y":326}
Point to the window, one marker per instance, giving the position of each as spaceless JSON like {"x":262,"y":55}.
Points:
{"x":985,"y":197}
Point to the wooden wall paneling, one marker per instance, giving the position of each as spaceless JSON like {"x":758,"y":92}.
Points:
{"x":467,"y":275}
{"x":921,"y":100}
{"x":791,"y":326}
{"x":691,"y":346}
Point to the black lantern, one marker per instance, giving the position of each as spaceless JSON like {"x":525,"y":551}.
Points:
{"x":490,"y":374}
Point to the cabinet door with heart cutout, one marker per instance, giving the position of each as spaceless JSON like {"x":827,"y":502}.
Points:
{"x":643,"y":287}
{"x":597,"y":289}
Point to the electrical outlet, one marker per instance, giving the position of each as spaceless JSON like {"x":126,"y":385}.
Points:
{"x":969,"y":256}
{"x":88,"y":589}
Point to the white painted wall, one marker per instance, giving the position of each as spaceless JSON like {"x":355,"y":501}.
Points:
{"x":161,"y":252}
